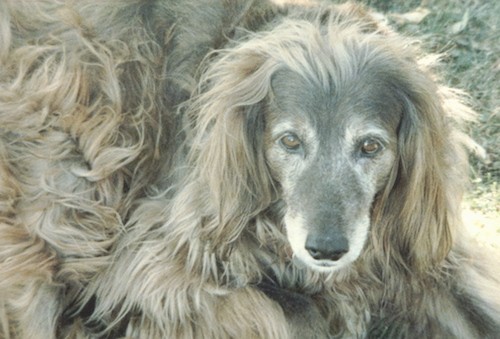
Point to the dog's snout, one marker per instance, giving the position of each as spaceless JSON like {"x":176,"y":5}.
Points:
{"x":327,"y":248}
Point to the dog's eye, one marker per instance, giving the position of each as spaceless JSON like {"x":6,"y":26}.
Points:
{"x":370,"y":147}
{"x":290,"y":142}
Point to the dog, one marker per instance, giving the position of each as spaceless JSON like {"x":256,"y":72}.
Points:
{"x":230,"y":169}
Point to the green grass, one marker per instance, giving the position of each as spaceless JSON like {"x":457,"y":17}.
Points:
{"x":468,"y":33}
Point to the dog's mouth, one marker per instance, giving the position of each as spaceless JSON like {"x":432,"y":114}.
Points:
{"x":325,"y":266}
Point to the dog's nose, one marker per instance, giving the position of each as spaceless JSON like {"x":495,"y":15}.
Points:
{"x":327,"y":248}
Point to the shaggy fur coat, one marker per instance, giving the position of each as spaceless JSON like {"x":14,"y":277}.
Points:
{"x":134,"y":201}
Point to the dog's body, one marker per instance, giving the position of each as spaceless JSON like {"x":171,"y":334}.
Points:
{"x":303,"y":180}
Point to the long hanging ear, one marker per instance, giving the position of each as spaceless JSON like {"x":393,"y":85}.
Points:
{"x":238,"y":176}
{"x":228,"y":153}
{"x":416,"y":214}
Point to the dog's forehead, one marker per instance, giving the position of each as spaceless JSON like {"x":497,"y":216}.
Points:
{"x":369,"y":95}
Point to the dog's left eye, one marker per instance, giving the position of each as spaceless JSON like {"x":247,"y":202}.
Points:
{"x":290,"y":142}
{"x":370,"y":147}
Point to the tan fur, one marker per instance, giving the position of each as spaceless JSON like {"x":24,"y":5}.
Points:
{"x":136,"y":199}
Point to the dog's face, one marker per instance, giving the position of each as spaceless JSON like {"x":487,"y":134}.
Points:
{"x":331,"y":150}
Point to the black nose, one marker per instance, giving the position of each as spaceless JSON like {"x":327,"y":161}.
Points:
{"x":327,"y":248}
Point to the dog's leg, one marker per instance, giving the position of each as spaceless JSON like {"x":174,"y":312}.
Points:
{"x":303,"y":316}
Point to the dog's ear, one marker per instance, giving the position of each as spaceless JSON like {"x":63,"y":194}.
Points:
{"x":416,"y":215}
{"x":227,"y":151}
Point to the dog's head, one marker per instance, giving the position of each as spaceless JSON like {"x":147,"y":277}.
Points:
{"x":332,"y":147}
{"x":340,"y":123}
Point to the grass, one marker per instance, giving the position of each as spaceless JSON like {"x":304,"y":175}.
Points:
{"x":467,"y":32}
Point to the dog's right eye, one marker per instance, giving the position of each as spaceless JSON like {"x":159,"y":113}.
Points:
{"x":290,"y":142}
{"x":370,"y":147}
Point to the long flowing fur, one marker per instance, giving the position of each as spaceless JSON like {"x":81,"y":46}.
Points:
{"x":136,"y":198}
